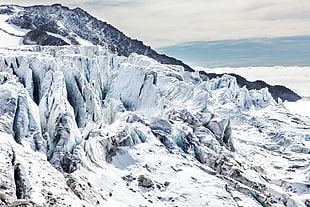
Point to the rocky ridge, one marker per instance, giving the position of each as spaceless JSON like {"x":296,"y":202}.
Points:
{"x":66,"y":26}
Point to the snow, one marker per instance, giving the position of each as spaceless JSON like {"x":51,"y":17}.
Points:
{"x":301,"y":107}
{"x":10,"y":28}
{"x":81,"y":41}
{"x":37,"y":173}
{"x":24,"y":166}
{"x":87,"y":125}
{"x":176,"y":170}
{"x":13,"y":35}
{"x":81,"y":126}
{"x":59,"y":36}
{"x":7,"y":40}
{"x":84,"y":42}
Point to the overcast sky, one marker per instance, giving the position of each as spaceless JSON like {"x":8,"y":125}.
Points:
{"x":162,"y":23}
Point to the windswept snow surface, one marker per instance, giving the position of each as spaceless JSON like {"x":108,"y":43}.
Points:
{"x":9,"y":28}
{"x":7,"y":32}
{"x":81,"y":126}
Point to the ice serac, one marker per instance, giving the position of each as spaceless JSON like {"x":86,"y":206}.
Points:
{"x":81,"y":125}
{"x":57,"y":118}
{"x":277,"y":91}
{"x":25,"y":171}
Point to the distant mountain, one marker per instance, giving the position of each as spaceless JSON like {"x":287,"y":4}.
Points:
{"x":58,"y":25}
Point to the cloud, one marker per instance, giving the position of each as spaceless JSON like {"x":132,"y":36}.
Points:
{"x":162,"y":23}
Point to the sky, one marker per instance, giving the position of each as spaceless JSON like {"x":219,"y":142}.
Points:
{"x":284,"y":51}
{"x":181,"y":27}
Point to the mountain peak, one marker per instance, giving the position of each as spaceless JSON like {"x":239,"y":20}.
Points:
{"x":58,"y":25}
{"x":76,"y":27}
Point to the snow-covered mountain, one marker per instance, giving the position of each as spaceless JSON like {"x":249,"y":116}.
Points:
{"x":58,"y":25}
{"x":88,"y":126}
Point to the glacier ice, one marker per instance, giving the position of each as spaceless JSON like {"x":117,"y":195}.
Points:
{"x":86,"y":118}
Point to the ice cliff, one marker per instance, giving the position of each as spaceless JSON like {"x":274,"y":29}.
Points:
{"x":82,"y":126}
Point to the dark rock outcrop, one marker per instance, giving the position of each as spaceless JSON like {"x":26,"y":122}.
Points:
{"x":39,"y":37}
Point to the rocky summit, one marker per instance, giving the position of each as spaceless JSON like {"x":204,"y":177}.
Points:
{"x":85,"y":125}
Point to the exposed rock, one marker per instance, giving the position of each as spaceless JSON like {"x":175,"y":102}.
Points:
{"x":39,"y":37}
{"x":145,"y":182}
{"x":60,"y":25}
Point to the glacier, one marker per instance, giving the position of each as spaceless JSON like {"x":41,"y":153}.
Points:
{"x":83,"y":126}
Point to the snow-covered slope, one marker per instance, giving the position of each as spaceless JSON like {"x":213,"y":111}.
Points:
{"x":82,"y":126}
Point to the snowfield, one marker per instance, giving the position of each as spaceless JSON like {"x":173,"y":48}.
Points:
{"x":9,"y":40}
{"x":81,"y":126}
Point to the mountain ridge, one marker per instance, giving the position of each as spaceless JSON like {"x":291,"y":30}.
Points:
{"x":116,"y":41}
{"x":44,"y":20}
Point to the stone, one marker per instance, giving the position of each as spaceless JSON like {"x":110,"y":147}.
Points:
{"x":145,"y":182}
